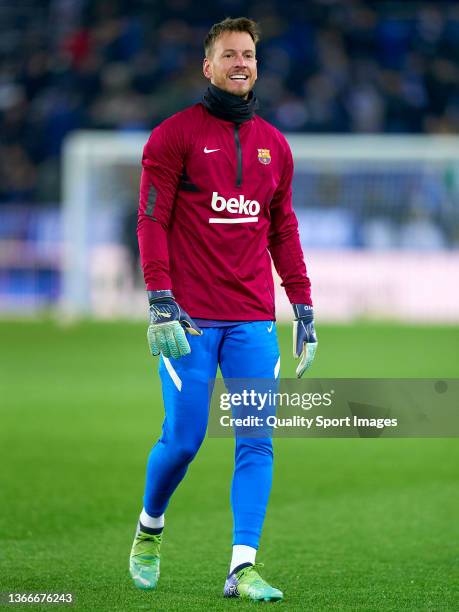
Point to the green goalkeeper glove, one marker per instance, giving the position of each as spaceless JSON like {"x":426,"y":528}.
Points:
{"x":304,"y":337}
{"x":168,"y":322}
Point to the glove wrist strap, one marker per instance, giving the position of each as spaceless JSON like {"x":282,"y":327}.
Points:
{"x":158,"y":296}
{"x":303,"y":310}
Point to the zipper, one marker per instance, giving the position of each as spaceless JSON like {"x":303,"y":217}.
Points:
{"x":238,"y":156}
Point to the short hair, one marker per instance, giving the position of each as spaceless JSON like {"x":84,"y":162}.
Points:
{"x":239,"y":24}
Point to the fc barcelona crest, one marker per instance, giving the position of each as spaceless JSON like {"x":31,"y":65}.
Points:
{"x":264,"y":157}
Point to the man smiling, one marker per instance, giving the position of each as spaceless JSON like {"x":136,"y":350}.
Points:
{"x":215,"y":211}
{"x":230,"y":63}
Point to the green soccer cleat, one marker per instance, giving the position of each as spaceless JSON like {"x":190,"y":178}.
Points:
{"x":248,"y":584}
{"x":144,"y":560}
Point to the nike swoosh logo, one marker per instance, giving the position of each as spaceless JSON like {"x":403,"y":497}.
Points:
{"x":161,"y":313}
{"x":206,"y":150}
{"x":270,"y":328}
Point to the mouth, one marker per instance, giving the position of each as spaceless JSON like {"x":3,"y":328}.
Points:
{"x":239,"y":77}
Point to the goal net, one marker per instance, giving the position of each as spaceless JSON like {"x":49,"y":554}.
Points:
{"x":378,"y":219}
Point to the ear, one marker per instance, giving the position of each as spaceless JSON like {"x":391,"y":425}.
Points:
{"x":206,"y":68}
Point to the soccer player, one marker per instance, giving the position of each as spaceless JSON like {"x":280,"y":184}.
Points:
{"x":215,"y":209}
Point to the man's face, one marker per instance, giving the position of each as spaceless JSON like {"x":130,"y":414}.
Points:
{"x":232,"y":65}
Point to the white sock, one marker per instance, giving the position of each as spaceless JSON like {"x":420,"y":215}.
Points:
{"x":242,"y":554}
{"x":153,"y":522}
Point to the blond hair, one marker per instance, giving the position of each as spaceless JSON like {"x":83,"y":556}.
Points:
{"x":239,"y":24}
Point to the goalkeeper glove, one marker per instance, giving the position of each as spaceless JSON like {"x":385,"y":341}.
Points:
{"x":166,"y":333}
{"x":304,"y":337}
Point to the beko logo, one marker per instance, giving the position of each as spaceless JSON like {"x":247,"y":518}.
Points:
{"x":235,"y":206}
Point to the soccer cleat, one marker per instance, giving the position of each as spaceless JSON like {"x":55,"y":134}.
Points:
{"x":248,"y":584}
{"x":144,"y":559}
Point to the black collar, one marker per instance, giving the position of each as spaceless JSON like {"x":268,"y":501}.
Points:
{"x":228,"y":106}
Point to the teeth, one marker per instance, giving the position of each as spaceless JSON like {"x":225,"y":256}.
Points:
{"x":238,"y":77}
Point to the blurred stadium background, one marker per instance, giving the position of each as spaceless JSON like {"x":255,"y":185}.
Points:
{"x":367,"y":93}
{"x":378,"y":211}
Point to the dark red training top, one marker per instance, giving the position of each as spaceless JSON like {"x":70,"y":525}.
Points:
{"x":215,"y":207}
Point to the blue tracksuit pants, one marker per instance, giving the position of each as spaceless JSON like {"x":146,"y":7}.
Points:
{"x":244,"y":350}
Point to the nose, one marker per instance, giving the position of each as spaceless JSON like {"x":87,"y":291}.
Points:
{"x":240,"y":60}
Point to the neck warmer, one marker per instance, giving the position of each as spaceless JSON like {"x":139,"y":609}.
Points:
{"x":228,"y":106}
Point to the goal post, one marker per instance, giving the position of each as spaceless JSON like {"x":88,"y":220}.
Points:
{"x":378,"y":218}
{"x":88,"y":157}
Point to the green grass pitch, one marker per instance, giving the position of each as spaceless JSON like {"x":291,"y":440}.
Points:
{"x":352,"y":524}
